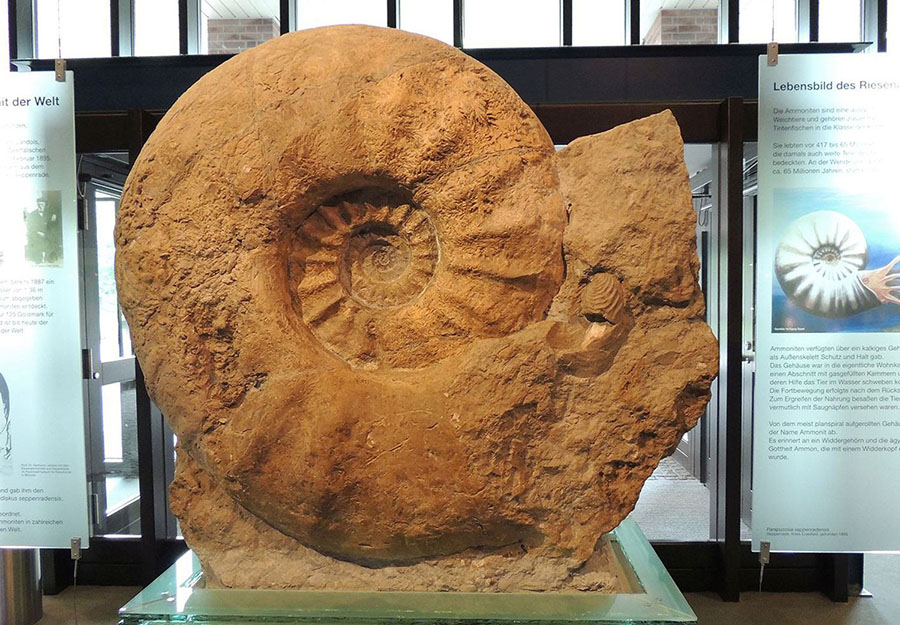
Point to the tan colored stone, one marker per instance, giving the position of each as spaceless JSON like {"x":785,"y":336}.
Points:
{"x":389,"y":362}
{"x":240,"y":550}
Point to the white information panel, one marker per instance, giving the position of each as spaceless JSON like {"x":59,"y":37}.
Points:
{"x":43,"y":488}
{"x":827,"y":395}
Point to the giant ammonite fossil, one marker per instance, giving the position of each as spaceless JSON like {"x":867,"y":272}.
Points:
{"x":821,"y":263}
{"x":344,"y":259}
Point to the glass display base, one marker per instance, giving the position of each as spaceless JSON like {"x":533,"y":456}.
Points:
{"x":178,"y":596}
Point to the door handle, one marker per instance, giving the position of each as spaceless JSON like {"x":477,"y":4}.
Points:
{"x":87,"y":365}
{"x":748,"y":354}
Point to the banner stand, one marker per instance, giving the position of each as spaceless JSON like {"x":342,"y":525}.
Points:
{"x":20,"y":587}
{"x":43,"y":482}
{"x":826,"y":436}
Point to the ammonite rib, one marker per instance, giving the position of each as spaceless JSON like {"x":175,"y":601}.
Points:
{"x":602,"y":297}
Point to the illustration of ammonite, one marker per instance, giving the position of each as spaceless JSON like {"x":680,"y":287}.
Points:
{"x":820,"y":264}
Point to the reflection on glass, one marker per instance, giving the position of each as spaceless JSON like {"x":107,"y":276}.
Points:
{"x":111,"y":402}
{"x":758,"y":18}
{"x":679,"y":22}
{"x":120,"y":484}
{"x":119,"y":406}
{"x":115,"y":338}
{"x":72,"y":28}
{"x":122,"y":514}
{"x":119,"y":412}
{"x":120,"y":492}
{"x":178,"y":533}
{"x":232,"y":26}
{"x":840,"y":20}
{"x":433,"y":18}
{"x":313,"y":13}
{"x":155,"y":27}
{"x":505,"y":24}
{"x":598,"y":22}
{"x":674,"y":504}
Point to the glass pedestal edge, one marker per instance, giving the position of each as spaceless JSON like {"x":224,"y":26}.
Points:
{"x":177,"y":596}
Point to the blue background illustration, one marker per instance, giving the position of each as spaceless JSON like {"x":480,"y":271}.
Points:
{"x":883,"y":239}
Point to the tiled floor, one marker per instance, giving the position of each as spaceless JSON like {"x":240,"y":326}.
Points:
{"x":86,"y":605}
{"x":675,"y":506}
{"x":671,"y":469}
{"x":882,"y":579}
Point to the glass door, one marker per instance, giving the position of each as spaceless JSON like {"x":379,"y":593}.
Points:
{"x":748,"y":360}
{"x":677,"y":504}
{"x":109,"y":361}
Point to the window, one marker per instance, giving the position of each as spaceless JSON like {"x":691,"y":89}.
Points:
{"x":506,"y":24}
{"x":72,"y":28}
{"x":840,"y":20}
{"x":758,"y":18}
{"x":155,"y":27}
{"x":598,"y":22}
{"x":665,"y":22}
{"x":232,"y":26}
{"x":313,"y":13}
{"x":433,"y":18}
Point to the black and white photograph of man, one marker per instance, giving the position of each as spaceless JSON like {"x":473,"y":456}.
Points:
{"x":43,"y":230}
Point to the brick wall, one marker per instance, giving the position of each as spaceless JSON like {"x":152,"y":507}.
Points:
{"x":684,"y":26}
{"x":233,"y":36}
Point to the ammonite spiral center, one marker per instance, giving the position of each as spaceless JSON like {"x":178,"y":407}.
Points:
{"x":828,"y":254}
{"x":389,"y":260}
{"x":374,"y":256}
{"x":359,"y":257}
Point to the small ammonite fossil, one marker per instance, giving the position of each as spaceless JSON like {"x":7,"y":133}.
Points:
{"x":587,"y":346}
{"x":603,"y":299}
{"x":820,"y":264}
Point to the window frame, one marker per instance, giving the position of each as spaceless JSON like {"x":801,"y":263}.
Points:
{"x":22,"y":24}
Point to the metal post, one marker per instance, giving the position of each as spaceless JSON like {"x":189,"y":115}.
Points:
{"x":875,"y":24}
{"x":287,"y":16}
{"x":729,"y":19}
{"x":633,"y":22}
{"x":566,"y":8}
{"x":458,"y":23}
{"x":728,"y":499}
{"x":22,"y":44}
{"x":122,"y":27}
{"x":392,"y":21}
{"x":20,"y":580}
{"x":189,"y":26}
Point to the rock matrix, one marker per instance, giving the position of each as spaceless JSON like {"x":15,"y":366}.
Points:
{"x":403,"y":343}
